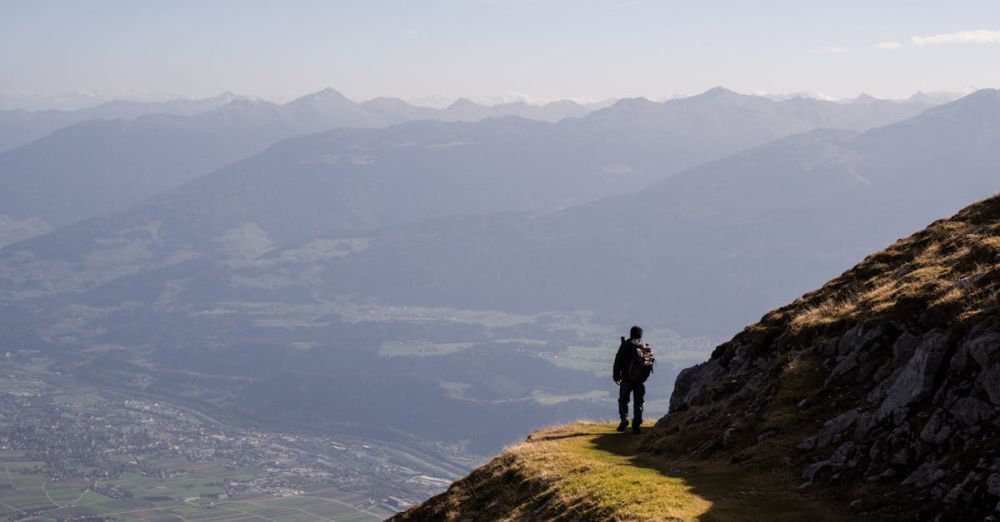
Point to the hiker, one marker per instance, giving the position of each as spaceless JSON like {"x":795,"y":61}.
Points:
{"x":633,"y":364}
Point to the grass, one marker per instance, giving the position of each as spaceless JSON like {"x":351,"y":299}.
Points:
{"x":952,"y":266}
{"x":588,"y":471}
{"x":548,"y":399}
{"x":420,"y":348}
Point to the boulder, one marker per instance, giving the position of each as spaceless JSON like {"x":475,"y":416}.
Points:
{"x":993,"y":485}
{"x":690,"y":385}
{"x":835,"y":426}
{"x":985,"y":350}
{"x":915,"y":380}
{"x":970,"y":411}
{"x":903,"y":349}
{"x":936,"y":431}
{"x":842,"y":457}
{"x":845,"y":364}
{"x":856,"y":339}
{"x":926,"y":474}
{"x":963,"y":491}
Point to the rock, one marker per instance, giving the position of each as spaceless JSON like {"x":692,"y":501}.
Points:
{"x":856,"y":339}
{"x":808,"y":444}
{"x":899,"y":416}
{"x":835,"y":426}
{"x":901,"y":457}
{"x":915,"y":381}
{"x":903,"y":349}
{"x":766,"y":434}
{"x":925,"y":475}
{"x":962,"y":492}
{"x":866,"y":368}
{"x":813,"y":470}
{"x":903,"y":270}
{"x":863,"y":426}
{"x":846,"y":364}
{"x":829,"y":349}
{"x":690,"y":384}
{"x":936,"y":431}
{"x":874,"y":453}
{"x":989,"y":381}
{"x":984,"y":350}
{"x":842,"y":457}
{"x":993,"y":485}
{"x":882,"y":372}
{"x":970,"y":411}
{"x":886,"y":474}
{"x":728,"y":434}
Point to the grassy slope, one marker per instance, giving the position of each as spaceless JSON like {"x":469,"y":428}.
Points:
{"x":946,"y":276}
{"x":588,"y":471}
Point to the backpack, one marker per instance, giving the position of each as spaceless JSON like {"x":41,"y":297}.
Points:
{"x":642,"y":364}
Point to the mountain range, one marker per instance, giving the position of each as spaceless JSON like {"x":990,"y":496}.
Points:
{"x":414,"y":225}
{"x":98,"y":167}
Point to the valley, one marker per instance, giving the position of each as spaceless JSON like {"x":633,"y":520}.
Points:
{"x":72,"y":448}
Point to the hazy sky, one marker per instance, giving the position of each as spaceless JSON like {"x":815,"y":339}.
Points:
{"x":481,"y":48}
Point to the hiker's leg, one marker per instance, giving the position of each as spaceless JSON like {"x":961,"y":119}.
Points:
{"x":624,"y":390}
{"x":640,"y":401}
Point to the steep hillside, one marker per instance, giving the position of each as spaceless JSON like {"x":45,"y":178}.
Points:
{"x":878,"y":393}
{"x":883,"y":385}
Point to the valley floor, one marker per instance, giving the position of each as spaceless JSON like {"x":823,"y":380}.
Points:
{"x":588,"y":471}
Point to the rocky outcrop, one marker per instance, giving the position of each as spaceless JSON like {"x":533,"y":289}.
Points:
{"x":882,"y":388}
{"x":927,"y":420}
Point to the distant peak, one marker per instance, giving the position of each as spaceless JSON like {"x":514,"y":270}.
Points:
{"x":463,"y":103}
{"x":632,"y":103}
{"x":865,"y":98}
{"x":718,"y":92}
{"x":325,"y":95}
{"x":228,"y":96}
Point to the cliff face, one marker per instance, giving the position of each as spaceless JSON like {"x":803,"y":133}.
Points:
{"x":874,"y":397}
{"x":882,"y":387}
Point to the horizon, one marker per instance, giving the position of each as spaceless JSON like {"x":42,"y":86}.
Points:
{"x":437,"y":101}
{"x":489,"y":50}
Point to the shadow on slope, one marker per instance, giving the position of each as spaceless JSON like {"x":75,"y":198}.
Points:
{"x":588,"y":471}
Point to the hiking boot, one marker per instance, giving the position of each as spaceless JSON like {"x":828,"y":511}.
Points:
{"x":635,"y":428}
{"x":623,"y":425}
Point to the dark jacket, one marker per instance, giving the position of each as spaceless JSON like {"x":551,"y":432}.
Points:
{"x":626,"y":354}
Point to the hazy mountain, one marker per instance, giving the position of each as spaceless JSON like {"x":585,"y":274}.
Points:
{"x":19,"y":127}
{"x":496,"y":166}
{"x":12,"y":99}
{"x":468,"y":110}
{"x":710,"y":248}
{"x":103,"y":166}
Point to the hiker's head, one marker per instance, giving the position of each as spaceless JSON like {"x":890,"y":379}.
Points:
{"x":635,"y":333}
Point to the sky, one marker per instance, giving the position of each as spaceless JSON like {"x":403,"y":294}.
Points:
{"x":539,"y":49}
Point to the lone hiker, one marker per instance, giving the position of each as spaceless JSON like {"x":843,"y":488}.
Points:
{"x":633,"y":364}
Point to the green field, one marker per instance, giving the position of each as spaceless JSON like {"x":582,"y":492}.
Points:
{"x":191,"y":496}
